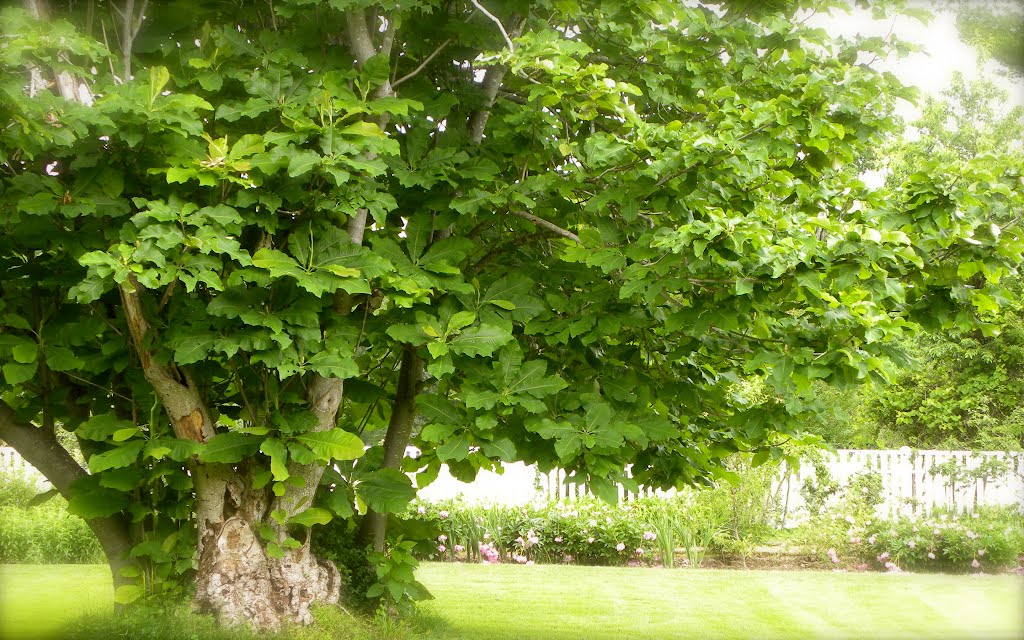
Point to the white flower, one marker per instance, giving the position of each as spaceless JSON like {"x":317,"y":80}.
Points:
{"x":620,"y":547}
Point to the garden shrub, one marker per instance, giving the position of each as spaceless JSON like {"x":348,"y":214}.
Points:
{"x":46,"y":534}
{"x":16,"y":490}
{"x":585,"y":531}
{"x":992,"y":539}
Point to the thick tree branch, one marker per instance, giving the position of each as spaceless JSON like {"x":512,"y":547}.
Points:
{"x":130,"y":25}
{"x":550,"y":226}
{"x":180,"y":398}
{"x":39,"y":447}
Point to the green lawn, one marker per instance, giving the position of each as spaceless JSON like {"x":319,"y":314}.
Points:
{"x":563,"y":603}
{"x":36,"y":601}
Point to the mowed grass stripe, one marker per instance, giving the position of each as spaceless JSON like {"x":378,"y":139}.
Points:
{"x":563,"y":603}
{"x":544,"y":602}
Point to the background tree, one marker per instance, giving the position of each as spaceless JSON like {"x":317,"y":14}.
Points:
{"x":264,"y":237}
{"x":964,"y":389}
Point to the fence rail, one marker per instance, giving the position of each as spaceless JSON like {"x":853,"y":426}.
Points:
{"x":912,"y":482}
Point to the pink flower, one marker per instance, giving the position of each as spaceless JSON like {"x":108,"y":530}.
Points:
{"x":981,"y":552}
{"x":931,"y":555}
{"x":529,"y":562}
{"x":883,"y":556}
{"x":443,"y":514}
{"x":639,"y":551}
{"x":441,"y":548}
{"x":442,"y":538}
{"x":975,"y":563}
{"x":558,"y":538}
{"x":650,"y":535}
{"x":892,"y":567}
{"x":421,"y":510}
{"x":590,"y":540}
{"x":620,"y":547}
{"x":459,"y":548}
{"x":855,"y":540}
{"x":871,"y":539}
{"x":911,"y":544}
{"x":832,"y":556}
{"x":972,"y":535}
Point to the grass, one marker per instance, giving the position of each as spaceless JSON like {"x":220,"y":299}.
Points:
{"x":38,"y":601}
{"x":476,"y":602}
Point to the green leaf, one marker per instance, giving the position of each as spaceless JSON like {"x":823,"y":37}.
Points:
{"x":97,"y":503}
{"x":437,"y":409}
{"x":336,"y":444}
{"x":340,"y":503}
{"x":124,"y":479}
{"x":277,"y":262}
{"x":158,"y":77}
{"x":278,"y":457}
{"x":501,"y":448}
{"x":125,"y":434}
{"x":274,"y":550}
{"x":16,"y":373}
{"x":310,"y":517}
{"x":61,"y":359}
{"x":174,"y":448}
{"x":456,"y":448}
{"x":230,"y":447}
{"x":128,"y":593}
{"x":386,"y":491}
{"x":101,"y":427}
{"x":301,"y":454}
{"x":481,"y":340}
{"x":302,"y":162}
{"x":333,"y":365}
{"x":25,"y":352}
{"x":117,"y":457}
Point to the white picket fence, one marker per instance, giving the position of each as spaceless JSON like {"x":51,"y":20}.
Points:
{"x":908,"y":484}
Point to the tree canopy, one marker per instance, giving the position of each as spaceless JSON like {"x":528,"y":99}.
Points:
{"x":963,"y":390}
{"x":245,"y":242}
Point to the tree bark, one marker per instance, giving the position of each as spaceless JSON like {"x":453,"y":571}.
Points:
{"x":237,"y":580}
{"x":39,"y":447}
{"x":373,"y":529}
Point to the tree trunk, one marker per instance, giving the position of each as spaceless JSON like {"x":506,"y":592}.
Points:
{"x":40,"y":448}
{"x":237,"y":580}
{"x":373,"y":529}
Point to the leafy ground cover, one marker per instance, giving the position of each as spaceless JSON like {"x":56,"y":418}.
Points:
{"x":568,"y":602}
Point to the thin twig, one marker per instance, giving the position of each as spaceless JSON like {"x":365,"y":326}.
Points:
{"x":508,"y":40}
{"x":550,"y":226}
{"x":423,"y":64}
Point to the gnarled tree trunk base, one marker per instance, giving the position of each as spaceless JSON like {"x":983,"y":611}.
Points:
{"x":240,"y":584}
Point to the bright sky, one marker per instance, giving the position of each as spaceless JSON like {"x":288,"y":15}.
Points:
{"x":932,"y":69}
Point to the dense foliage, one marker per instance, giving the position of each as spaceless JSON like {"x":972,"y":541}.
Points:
{"x":962,"y":390}
{"x":256,"y":239}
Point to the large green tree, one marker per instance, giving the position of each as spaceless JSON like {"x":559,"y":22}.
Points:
{"x":243,"y":241}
